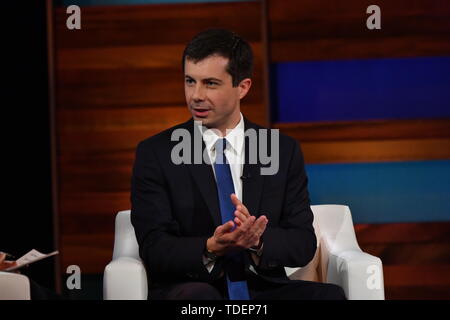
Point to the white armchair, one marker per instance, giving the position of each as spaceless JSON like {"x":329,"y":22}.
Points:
{"x":14,"y":286}
{"x":125,"y":277}
{"x":338,"y":259}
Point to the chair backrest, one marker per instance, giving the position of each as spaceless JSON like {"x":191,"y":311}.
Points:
{"x":14,"y":286}
{"x":125,"y":243}
{"x":333,"y":221}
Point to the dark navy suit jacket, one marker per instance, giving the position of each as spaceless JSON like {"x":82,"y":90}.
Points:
{"x":175,"y":209}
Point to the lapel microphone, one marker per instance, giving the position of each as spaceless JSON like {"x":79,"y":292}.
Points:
{"x":245,"y":176}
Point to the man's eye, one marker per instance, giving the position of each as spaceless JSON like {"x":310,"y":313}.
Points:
{"x":189,"y":81}
{"x":212,"y":83}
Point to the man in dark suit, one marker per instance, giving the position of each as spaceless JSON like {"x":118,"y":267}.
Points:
{"x":211,"y":221}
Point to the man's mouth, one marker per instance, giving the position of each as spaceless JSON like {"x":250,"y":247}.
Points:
{"x":201,"y":112}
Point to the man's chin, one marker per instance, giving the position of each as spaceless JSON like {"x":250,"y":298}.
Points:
{"x":205,"y":120}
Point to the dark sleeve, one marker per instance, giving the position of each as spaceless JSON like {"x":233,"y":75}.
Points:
{"x":291,"y":243}
{"x":161,"y":247}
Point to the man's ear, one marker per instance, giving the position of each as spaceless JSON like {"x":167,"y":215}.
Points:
{"x":244,"y":87}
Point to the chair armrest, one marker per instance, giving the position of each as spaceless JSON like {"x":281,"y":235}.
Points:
{"x":358,"y":273}
{"x":125,"y":278}
{"x":342,"y":261}
{"x":14,"y":286}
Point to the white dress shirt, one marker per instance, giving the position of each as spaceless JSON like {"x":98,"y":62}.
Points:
{"x":234,"y":152}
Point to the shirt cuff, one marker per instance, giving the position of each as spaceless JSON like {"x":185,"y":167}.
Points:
{"x":209,"y":265}
{"x":258,"y":251}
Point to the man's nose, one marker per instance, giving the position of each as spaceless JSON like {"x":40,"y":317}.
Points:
{"x":199,"y":93}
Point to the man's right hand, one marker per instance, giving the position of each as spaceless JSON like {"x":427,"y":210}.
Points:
{"x":228,"y":239}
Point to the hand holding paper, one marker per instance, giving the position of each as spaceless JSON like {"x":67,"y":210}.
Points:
{"x":29,"y":258}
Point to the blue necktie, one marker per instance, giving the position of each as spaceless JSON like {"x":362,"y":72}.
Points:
{"x":234,"y":265}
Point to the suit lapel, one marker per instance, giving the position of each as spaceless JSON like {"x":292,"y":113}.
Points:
{"x":203,"y":176}
{"x":252,"y":182}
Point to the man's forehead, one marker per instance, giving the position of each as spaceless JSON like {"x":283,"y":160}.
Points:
{"x":212,"y":66}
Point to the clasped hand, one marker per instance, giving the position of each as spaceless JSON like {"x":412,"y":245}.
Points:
{"x":243,"y":232}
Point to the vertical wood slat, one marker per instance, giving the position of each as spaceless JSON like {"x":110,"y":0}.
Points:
{"x":52,"y":123}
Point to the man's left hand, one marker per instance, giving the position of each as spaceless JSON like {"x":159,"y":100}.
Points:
{"x":242,"y":214}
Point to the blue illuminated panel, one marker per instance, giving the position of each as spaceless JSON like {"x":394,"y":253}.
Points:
{"x":361,"y":89}
{"x":416,"y":191}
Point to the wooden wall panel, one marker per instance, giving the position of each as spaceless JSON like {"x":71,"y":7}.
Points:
{"x":126,"y":86}
{"x":371,"y":141}
{"x":119,"y":81}
{"x":367,"y":130}
{"x":134,"y":25}
{"x":415,"y":256}
{"x":87,"y":250}
{"x":323,"y":29}
{"x":376,"y":151}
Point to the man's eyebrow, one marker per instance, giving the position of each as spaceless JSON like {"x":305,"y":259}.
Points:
{"x":204,"y":80}
{"x":212,"y":79}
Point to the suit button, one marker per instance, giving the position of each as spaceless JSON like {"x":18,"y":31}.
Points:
{"x":273,"y":264}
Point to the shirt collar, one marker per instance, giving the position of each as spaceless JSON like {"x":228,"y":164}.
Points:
{"x":235,"y":137}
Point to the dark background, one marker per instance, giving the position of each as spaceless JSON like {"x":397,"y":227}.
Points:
{"x":27,"y":201}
